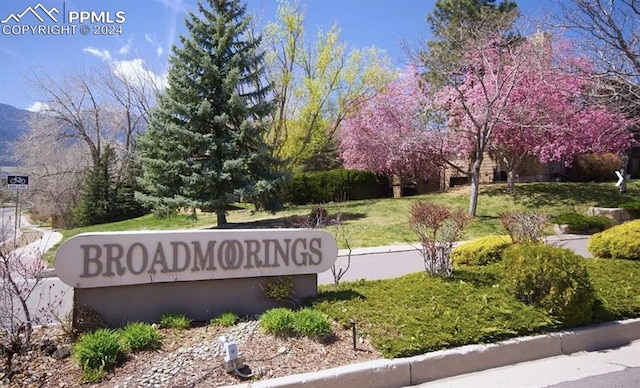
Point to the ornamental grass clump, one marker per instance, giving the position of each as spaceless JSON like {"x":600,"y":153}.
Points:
{"x":96,"y":351}
{"x":226,"y":319}
{"x":175,"y":321}
{"x":311,"y":323}
{"x":277,"y":321}
{"x":139,"y":336}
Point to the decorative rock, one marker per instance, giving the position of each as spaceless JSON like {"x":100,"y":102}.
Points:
{"x":617,"y":214}
{"x":48,"y":347}
{"x":565,"y":229}
{"x":62,"y":352}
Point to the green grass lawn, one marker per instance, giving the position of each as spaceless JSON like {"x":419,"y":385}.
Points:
{"x":384,"y":221}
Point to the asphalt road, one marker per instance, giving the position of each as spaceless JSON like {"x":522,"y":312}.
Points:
{"x":627,"y":378}
{"x":618,"y":367}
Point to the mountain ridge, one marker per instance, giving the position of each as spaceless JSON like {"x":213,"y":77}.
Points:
{"x":13,"y":124}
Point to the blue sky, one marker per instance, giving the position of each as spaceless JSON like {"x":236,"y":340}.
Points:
{"x":144,"y":30}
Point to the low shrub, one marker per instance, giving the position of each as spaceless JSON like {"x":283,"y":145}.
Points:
{"x":141,"y":336}
{"x":278,"y":321}
{"x":311,"y":323}
{"x":552,"y":278}
{"x":225,"y":319}
{"x":582,"y":223}
{"x":524,"y":227}
{"x":620,"y":242}
{"x":593,"y":167}
{"x":481,"y":251}
{"x":318,"y":217}
{"x":175,"y":321}
{"x":437,"y":227}
{"x":633,"y":207}
{"x":98,"y":350}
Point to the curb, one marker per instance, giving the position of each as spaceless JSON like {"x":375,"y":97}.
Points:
{"x":441,"y":364}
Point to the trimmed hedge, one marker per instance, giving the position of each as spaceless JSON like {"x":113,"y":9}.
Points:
{"x":330,"y":186}
{"x":552,"y":278}
{"x":582,"y":223}
{"x":619,"y":242}
{"x":593,"y":167}
{"x":481,"y":251}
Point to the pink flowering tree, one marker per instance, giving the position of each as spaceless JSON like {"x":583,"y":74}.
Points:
{"x":549,"y":115}
{"x":394,"y":132}
{"x":478,"y":91}
{"x":525,"y":97}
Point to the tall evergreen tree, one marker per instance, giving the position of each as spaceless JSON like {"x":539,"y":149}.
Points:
{"x":107,"y":194}
{"x":454,"y":22}
{"x":204,"y":145}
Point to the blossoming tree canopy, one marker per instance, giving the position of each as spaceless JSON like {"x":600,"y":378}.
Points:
{"x":550,"y":114}
{"x":531,"y":99}
{"x":392,"y":133}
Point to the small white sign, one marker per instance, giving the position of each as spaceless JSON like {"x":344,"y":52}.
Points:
{"x":107,"y":259}
{"x":620,"y":178}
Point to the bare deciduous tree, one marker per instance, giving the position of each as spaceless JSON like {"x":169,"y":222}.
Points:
{"x":20,"y":276}
{"x":80,"y":113}
{"x":610,"y":32}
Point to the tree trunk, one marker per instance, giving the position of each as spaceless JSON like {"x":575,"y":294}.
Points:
{"x":222,"y":217}
{"x":511,"y":179}
{"x":396,"y":182}
{"x":623,"y":172}
{"x":475,"y":185}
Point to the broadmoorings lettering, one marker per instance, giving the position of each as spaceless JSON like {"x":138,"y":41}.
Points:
{"x":111,"y":259}
{"x":178,"y":256}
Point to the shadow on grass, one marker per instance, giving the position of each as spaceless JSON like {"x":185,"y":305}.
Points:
{"x":352,"y":216}
{"x":478,"y":276}
{"x":337,"y":295}
{"x":550,"y":194}
{"x":272,"y":223}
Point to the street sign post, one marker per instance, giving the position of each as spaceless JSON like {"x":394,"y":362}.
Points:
{"x":17,"y":182}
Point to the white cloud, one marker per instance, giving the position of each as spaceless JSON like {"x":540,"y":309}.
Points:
{"x":153,"y":40}
{"x":178,"y":9}
{"x":136,"y":72}
{"x":105,"y":55}
{"x":126,"y":48}
{"x":38,"y":107}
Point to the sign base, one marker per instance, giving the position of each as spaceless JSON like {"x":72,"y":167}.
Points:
{"x":198,"y":300}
